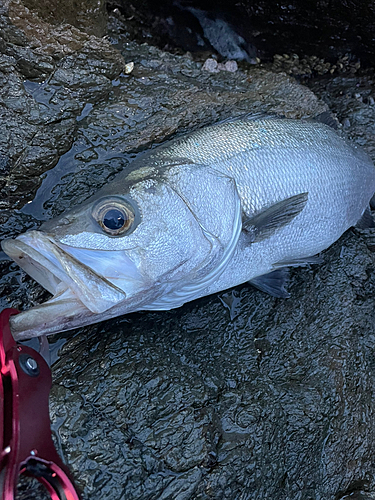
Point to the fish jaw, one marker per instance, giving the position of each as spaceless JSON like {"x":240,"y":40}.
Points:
{"x":63,"y":312}
{"x":78,"y":291}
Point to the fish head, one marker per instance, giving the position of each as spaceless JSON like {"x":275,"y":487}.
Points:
{"x":143,"y":242}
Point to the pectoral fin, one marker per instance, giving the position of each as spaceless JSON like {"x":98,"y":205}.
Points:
{"x":273,"y":283}
{"x":266,"y":223}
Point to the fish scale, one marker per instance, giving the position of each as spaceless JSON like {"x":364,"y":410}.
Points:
{"x":259,"y":153}
{"x":234,"y":202}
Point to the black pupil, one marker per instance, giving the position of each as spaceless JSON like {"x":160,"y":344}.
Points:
{"x":114,"y":219}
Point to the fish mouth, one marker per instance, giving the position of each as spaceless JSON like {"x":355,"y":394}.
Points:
{"x":78,"y":291}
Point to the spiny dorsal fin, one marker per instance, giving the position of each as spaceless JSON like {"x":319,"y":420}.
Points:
{"x":273,"y":283}
{"x":252,"y":117}
{"x":266,"y":223}
{"x":327,"y":119}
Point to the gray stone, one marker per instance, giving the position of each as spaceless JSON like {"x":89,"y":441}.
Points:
{"x":272,"y":400}
{"x":68,"y":68}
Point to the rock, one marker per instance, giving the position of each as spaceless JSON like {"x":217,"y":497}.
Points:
{"x":128,"y":68}
{"x":231,"y":66}
{"x":87,"y":15}
{"x":210,"y":65}
{"x":276,"y":399}
{"x":256,"y":28}
{"x":277,"y":403}
{"x":48,"y":73}
{"x":354,"y":110}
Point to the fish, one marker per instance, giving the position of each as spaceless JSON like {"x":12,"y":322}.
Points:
{"x":238,"y":201}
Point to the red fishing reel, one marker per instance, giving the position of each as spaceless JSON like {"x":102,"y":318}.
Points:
{"x":26,"y":445}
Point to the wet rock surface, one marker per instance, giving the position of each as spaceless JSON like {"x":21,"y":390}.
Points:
{"x":269,"y":399}
{"x":88,"y":15}
{"x":277,"y":403}
{"x":353,"y":100}
{"x":48,"y":73}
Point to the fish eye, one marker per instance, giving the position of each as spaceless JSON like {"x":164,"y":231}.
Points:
{"x":115,"y":217}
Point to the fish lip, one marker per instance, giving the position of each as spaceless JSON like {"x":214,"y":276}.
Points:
{"x":32,"y":261}
{"x":56,"y":270}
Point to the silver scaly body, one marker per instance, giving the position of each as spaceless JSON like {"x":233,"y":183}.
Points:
{"x":211,"y":195}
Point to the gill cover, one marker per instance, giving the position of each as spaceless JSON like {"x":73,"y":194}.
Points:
{"x":213,"y":200}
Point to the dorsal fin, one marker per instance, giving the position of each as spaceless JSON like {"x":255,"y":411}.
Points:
{"x":251,"y":117}
{"x":327,"y":119}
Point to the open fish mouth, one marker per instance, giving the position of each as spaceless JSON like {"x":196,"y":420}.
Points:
{"x":77,"y":289}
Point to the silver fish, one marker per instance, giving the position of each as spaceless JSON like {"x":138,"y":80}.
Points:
{"x":230,"y":203}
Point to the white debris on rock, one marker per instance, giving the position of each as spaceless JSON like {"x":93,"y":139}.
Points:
{"x":230,"y":66}
{"x":212,"y":66}
{"x":129,"y":68}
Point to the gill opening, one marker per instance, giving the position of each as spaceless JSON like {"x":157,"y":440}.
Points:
{"x":192,"y":290}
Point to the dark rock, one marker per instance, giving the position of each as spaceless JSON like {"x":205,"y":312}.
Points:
{"x":272,"y":400}
{"x":4,"y":165}
{"x":87,"y":15}
{"x":38,"y":119}
{"x":358,"y":495}
{"x":357,"y":115}
{"x":323,"y":29}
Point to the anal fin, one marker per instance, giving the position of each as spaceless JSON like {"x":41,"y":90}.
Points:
{"x":275,"y":282}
